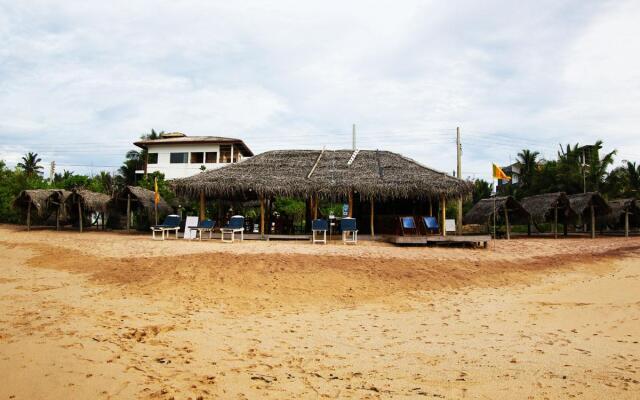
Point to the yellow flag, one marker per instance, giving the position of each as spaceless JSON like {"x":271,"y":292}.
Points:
{"x":498,"y":173}
{"x":155,"y":188}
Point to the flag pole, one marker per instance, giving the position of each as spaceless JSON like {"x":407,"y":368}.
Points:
{"x":495,"y":192}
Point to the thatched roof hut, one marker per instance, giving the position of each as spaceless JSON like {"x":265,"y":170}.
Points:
{"x":330,"y":174}
{"x":581,"y":203}
{"x":141,"y":200}
{"x":482,"y":212}
{"x":541,"y":207}
{"x":39,"y":199}
{"x":90,"y":201}
{"x":619,"y":207}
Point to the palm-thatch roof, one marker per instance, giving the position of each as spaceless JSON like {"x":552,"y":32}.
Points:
{"x":482,"y":212}
{"x":301,"y":173}
{"x":141,"y":199}
{"x":618,"y":209}
{"x":542,"y":206}
{"x":43,"y":201}
{"x":581,"y":203}
{"x":90,"y":201}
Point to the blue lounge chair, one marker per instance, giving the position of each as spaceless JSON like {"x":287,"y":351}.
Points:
{"x":407,"y":225}
{"x":349,"y":230}
{"x":204,"y":226}
{"x":319,"y":225}
{"x":431,"y":224}
{"x":171,"y":223}
{"x":235,"y":225}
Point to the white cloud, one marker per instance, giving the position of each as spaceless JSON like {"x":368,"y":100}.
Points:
{"x":298,"y":74}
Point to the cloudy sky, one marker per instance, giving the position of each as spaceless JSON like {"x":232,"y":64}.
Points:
{"x":79,"y":82}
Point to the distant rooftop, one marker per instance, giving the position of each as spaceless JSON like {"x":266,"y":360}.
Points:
{"x":181,"y":138}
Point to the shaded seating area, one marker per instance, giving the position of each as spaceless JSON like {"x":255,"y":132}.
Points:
{"x":430,"y":225}
{"x":365,"y":181}
{"x":551,"y":208}
{"x":83,"y":204}
{"x":589,"y":206}
{"x":40,"y":205}
{"x":507,"y":211}
{"x":624,"y":213}
{"x":408,"y":226}
{"x":170,"y":223}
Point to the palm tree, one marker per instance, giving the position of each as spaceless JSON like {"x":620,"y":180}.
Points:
{"x":527,"y":160}
{"x":599,"y":166}
{"x":30,"y":164}
{"x":633,"y":176}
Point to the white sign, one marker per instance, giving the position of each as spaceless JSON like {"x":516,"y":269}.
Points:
{"x":190,"y":222}
{"x":450,"y":225}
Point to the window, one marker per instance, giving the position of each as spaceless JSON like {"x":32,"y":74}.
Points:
{"x":178,"y":158}
{"x":236,"y":154}
{"x":197,"y":158}
{"x":225,"y":153}
{"x":152,"y":158}
{"x":211,"y":157}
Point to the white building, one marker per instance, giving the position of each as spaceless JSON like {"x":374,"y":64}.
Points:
{"x":177,"y":155}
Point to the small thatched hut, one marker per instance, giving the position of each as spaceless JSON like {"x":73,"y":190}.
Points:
{"x":87,"y":202}
{"x":40,"y":204}
{"x":623,"y":211}
{"x":135,"y":199}
{"x":589,"y":206}
{"x":554,"y":207}
{"x":367,"y":175}
{"x":507,"y":210}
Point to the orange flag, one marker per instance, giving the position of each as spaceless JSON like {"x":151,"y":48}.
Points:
{"x":498,"y":173}
{"x":155,"y":188}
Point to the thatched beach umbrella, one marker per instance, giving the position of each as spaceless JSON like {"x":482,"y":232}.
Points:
{"x":483,"y":212}
{"x":34,"y":202}
{"x":333,"y":174}
{"x":88,"y":202}
{"x":622,"y":209}
{"x":541,"y":207}
{"x":594,"y":203}
{"x":136,"y":198}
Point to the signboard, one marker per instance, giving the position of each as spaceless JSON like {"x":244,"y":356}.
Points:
{"x":450,"y":225}
{"x":190,"y":222}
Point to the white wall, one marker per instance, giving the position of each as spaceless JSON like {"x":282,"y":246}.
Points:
{"x":172,"y":171}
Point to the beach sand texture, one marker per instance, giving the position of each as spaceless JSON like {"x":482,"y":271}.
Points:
{"x":111,"y":315}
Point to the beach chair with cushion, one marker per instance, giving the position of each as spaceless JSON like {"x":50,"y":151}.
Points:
{"x":408,"y":226}
{"x":431,"y":224}
{"x":204,"y":226}
{"x":317,"y":226}
{"x":170,"y":223}
{"x":349,"y":230}
{"x":235,"y":225}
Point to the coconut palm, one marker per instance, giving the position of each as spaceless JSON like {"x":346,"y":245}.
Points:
{"x":30,"y":164}
{"x":527,"y":160}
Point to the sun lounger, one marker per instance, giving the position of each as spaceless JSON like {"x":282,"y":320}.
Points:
{"x":349,"y":230}
{"x":408,"y":226}
{"x":171,"y":223}
{"x":204,"y":226}
{"x":431,"y":224}
{"x":235,"y":225}
{"x":317,"y":226}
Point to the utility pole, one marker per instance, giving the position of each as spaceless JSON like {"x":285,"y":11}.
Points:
{"x":52,"y":171}
{"x":354,"y":137}
{"x":459,"y":175}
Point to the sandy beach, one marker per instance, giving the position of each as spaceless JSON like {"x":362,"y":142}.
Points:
{"x":111,"y":315}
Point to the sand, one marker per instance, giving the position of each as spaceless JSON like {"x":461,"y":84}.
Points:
{"x":108,"y":315}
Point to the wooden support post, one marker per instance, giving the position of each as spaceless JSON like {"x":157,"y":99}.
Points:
{"x":202,"y":212}
{"x":443,"y":214}
{"x":128,"y":212}
{"x":80,"y":214}
{"x":529,"y":226}
{"x":626,"y":224}
{"x":593,"y":222}
{"x":350,"y":203}
{"x":430,"y":208}
{"x":315,"y":206}
{"x":555,"y":222}
{"x":262,"y":215}
{"x":372,"y":217}
{"x":58,"y":218}
{"x":459,"y":217}
{"x":506,"y":221}
{"x":29,"y":216}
